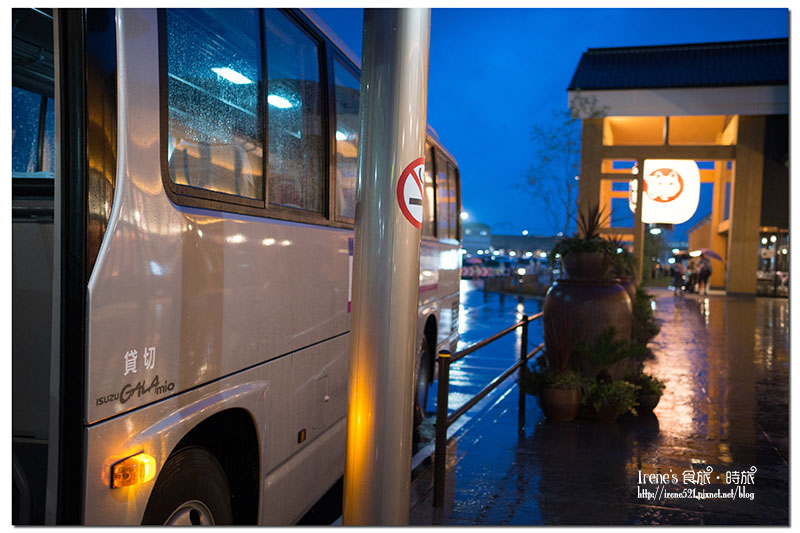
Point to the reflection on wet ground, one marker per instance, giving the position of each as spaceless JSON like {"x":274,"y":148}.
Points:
{"x":723,"y":419}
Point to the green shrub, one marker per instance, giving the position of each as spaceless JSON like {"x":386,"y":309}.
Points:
{"x":644,"y":326}
{"x":622,"y":395}
{"x":608,"y":349}
{"x":647,"y":383}
{"x":531,"y":380}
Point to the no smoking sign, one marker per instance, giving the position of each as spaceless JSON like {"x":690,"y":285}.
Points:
{"x":409,"y":191}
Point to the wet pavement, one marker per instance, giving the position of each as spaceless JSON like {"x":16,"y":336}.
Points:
{"x":723,"y":419}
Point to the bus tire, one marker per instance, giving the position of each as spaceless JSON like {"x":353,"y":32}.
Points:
{"x":191,"y":490}
{"x":422,"y":382}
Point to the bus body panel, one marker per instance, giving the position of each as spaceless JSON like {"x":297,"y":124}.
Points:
{"x":288,"y":485}
{"x":181,"y":296}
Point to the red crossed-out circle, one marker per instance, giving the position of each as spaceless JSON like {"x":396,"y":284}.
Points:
{"x":408,"y":172}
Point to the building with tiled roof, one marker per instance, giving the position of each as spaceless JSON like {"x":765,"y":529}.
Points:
{"x":725,"y":104}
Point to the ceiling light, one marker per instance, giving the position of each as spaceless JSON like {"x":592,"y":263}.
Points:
{"x":232,"y":76}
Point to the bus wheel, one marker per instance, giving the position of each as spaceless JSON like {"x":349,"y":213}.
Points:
{"x":423,"y":380}
{"x":191,"y":490}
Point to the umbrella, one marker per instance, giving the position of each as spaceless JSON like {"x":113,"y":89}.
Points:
{"x":708,"y":252}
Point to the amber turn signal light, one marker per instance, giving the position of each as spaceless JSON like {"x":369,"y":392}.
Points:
{"x":134,"y":470}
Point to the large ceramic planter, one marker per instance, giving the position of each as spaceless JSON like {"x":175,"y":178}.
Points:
{"x":585,"y":265}
{"x":581,"y":310}
{"x":629,"y":286}
{"x":560,"y":405}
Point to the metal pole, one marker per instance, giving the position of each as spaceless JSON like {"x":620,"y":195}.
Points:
{"x":523,"y":355}
{"x":440,"y":449}
{"x":394,"y":75}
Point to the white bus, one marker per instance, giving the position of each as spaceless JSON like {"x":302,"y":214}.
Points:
{"x":183,"y":206}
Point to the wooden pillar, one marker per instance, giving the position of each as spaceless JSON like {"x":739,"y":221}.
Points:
{"x":746,"y":206}
{"x":638,"y":225}
{"x":591,"y":159}
{"x":718,"y":242}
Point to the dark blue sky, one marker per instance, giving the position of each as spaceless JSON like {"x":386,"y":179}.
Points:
{"x":494,"y":73}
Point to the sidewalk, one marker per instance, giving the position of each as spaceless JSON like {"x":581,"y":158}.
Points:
{"x":725,"y":361}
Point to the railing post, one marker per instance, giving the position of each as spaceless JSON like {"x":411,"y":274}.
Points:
{"x":523,"y":355}
{"x":440,"y":451}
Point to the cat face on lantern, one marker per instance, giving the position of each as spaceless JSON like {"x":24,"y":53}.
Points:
{"x":663,"y":185}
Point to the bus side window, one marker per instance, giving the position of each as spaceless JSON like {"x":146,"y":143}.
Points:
{"x":294,"y":111}
{"x":429,"y":207}
{"x":452,"y":201}
{"x":215,"y":135}
{"x":442,"y":198}
{"x":32,"y":115}
{"x":347,"y":89}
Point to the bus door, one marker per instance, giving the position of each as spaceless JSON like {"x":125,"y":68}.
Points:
{"x":63,"y":160}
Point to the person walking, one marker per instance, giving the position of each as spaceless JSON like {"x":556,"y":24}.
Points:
{"x":703,"y":275}
{"x":677,"y":275}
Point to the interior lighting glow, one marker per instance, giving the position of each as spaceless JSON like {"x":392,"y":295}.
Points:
{"x":771,"y":239}
{"x":340,"y":136}
{"x":655,"y":231}
{"x":543,"y":255}
{"x":480,"y":252}
{"x":232,"y":76}
{"x":496,"y":252}
{"x":134,"y":470}
{"x":521,"y":271}
{"x":512,"y":253}
{"x":764,"y":240}
{"x":279,"y":101}
{"x":696,"y":253}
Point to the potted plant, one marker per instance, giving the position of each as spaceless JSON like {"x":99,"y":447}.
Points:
{"x":558,"y":386}
{"x":585,"y":255}
{"x":609,"y":357}
{"x":623,"y":267}
{"x":587,"y":296}
{"x":610,"y":399}
{"x":650,"y":391}
{"x":644,"y":326}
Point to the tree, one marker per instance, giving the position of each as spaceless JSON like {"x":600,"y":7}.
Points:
{"x":553,"y":178}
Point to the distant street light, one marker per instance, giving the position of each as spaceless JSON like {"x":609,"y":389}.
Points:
{"x":464,"y":215}
{"x":655,"y":231}
{"x":524,"y":232}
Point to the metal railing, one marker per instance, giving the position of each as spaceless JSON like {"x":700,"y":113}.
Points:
{"x":443,"y":421}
